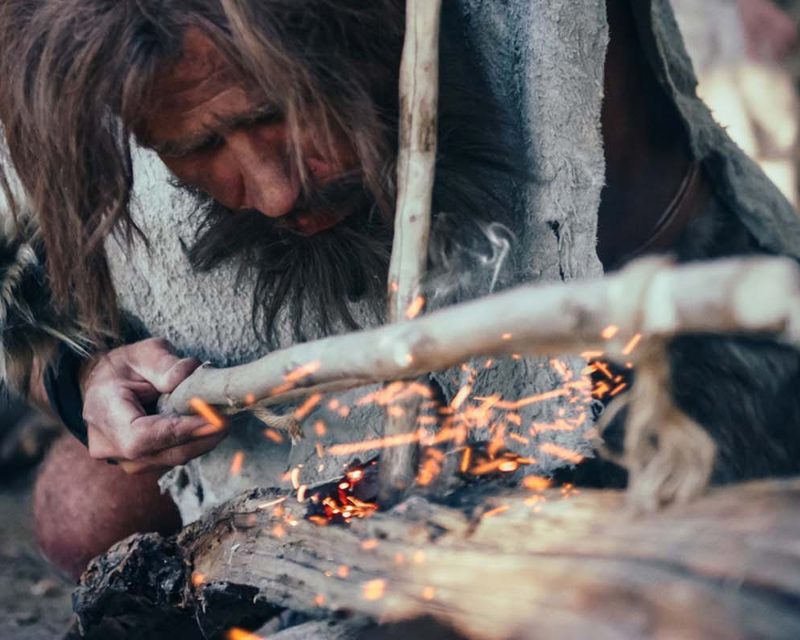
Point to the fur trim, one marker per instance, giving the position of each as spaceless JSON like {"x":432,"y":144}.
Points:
{"x":31,"y":327}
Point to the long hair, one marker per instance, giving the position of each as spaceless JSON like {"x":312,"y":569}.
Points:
{"x":77,"y":76}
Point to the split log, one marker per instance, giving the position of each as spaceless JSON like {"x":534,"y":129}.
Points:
{"x":510,"y":565}
{"x":416,"y":169}
{"x":725,"y":296}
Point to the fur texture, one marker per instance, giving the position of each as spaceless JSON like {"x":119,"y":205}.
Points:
{"x":31,"y":327}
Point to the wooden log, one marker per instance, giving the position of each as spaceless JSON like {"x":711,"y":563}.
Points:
{"x":520,"y":564}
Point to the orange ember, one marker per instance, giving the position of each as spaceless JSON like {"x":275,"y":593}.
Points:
{"x":205,"y":410}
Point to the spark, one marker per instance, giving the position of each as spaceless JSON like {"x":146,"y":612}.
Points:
{"x":536,"y":483}
{"x":250,"y":399}
{"x":418,"y":557}
{"x":374,"y":589}
{"x":278,"y":531}
{"x":273,"y":435}
{"x":197,"y":579}
{"x":399,"y":559}
{"x":609,"y":332}
{"x":301,"y":413}
{"x":240,"y":634}
{"x":506,"y":336}
{"x":466,"y":459}
{"x":272,"y":503}
{"x":415,"y":308}
{"x":370,"y":544}
{"x":343,"y":571}
{"x":461,"y":396}
{"x":294,"y":476}
{"x":207,"y":430}
{"x":628,"y":350}
{"x":237,"y":463}
{"x":293,"y":377}
{"x":496,"y":511}
{"x":378,"y":443}
{"x":561,"y":452}
{"x":428,"y":593}
{"x":618,"y":389}
{"x":205,"y":410}
{"x":319,"y":600}
{"x":320,"y":429}
{"x":534,"y":399}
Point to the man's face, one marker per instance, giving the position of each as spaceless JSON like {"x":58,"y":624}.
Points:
{"x":215,"y":136}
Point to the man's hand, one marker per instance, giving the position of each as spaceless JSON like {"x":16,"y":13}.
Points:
{"x":770,"y":32}
{"x":119,"y":386}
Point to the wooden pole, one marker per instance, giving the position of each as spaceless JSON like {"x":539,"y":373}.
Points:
{"x":735,"y":295}
{"x":416,"y":168}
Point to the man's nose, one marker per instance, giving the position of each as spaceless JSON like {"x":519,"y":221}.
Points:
{"x":268,"y":183}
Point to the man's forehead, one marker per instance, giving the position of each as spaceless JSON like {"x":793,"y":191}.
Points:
{"x":192,"y":93}
{"x":201,"y":71}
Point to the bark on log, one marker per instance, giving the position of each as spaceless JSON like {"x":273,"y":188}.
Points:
{"x":732,"y":295}
{"x":512,"y":565}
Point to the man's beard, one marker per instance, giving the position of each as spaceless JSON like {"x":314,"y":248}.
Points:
{"x":305,"y":285}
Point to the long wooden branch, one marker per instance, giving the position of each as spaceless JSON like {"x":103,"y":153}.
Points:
{"x":416,"y":167}
{"x":525,"y":564}
{"x":650,"y":298}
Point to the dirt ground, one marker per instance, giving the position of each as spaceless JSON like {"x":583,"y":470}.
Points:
{"x":35,"y":602}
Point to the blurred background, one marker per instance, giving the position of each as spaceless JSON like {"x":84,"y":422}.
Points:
{"x":747,"y":58}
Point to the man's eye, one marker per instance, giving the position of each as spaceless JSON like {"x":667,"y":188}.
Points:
{"x":266,"y":118}
{"x":214,"y":142}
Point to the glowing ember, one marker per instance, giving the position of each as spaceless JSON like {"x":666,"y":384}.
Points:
{"x":496,"y":511}
{"x":374,"y":589}
{"x":561,"y":452}
{"x":628,"y":350}
{"x":351,"y":498}
{"x":428,"y":593}
{"x":536,"y":483}
{"x":197,"y":579}
{"x":343,"y":571}
{"x":367,"y":545}
{"x":485,"y":459}
{"x":237,"y":463}
{"x":273,"y":435}
{"x":609,"y":332}
{"x":415,"y":308}
{"x":241,"y":634}
{"x":301,"y":413}
{"x":319,"y":600}
{"x":205,"y":410}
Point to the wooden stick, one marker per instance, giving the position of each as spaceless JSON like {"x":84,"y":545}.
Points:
{"x":725,"y":296}
{"x":416,"y":166}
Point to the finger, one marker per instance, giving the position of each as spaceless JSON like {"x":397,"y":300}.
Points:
{"x":155,"y":361}
{"x":100,"y":447}
{"x":154,"y":434}
{"x":172,"y":457}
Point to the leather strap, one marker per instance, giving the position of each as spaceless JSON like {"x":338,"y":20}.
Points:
{"x":689,"y":201}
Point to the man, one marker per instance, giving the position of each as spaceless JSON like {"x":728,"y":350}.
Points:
{"x":280,"y":118}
